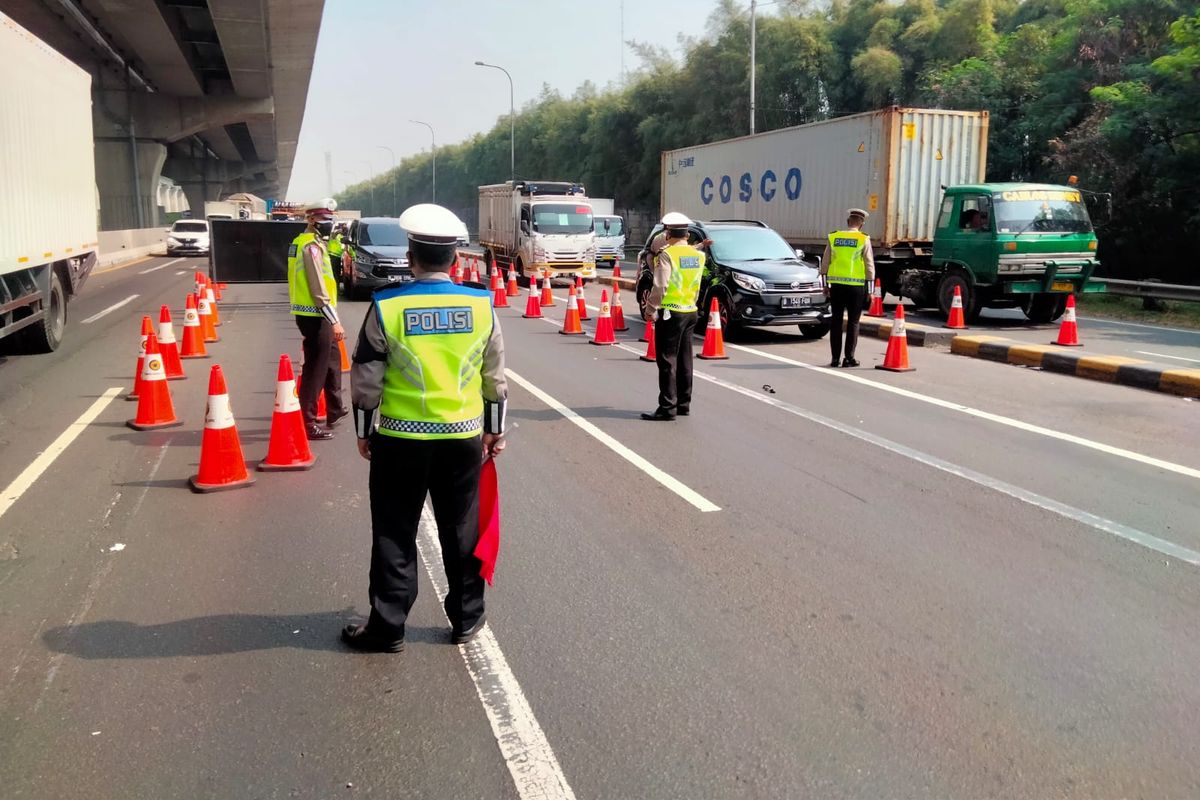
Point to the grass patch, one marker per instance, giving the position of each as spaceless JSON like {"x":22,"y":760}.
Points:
{"x":1179,"y":314}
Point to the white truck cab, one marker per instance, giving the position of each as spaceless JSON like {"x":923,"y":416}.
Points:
{"x":537,"y":227}
{"x":610,"y":239}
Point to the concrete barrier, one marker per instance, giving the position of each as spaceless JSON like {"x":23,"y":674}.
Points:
{"x":118,"y":247}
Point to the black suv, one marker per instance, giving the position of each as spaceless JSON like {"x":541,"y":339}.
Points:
{"x":375,"y":254}
{"x":757,"y":278}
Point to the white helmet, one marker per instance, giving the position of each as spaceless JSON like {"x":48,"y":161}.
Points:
{"x":431,"y":224}
{"x":321,"y":208}
{"x":674,"y":219}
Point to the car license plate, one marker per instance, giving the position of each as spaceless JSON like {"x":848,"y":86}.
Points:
{"x":795,"y":302}
{"x":1062,"y":286}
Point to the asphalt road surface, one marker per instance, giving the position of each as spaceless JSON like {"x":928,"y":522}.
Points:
{"x":967,"y":581}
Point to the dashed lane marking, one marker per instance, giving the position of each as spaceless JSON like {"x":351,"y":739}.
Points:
{"x":1164,"y":355}
{"x":523,"y":745}
{"x":160,"y":266}
{"x":12,"y":493}
{"x":668,"y":481}
{"x":110,"y":309}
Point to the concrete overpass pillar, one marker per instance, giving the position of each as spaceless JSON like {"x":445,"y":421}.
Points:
{"x":119,"y":196}
{"x":198,"y":193}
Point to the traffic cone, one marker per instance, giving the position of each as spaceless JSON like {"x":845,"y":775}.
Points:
{"x":456,"y":272}
{"x":571,"y":326}
{"x":204,"y":309}
{"x":345,"y":358}
{"x":618,"y":314}
{"x":147,"y":329}
{"x":288,"y":449}
{"x":547,"y":292}
{"x":322,"y":411}
{"x":212,"y":304}
{"x":714,"y":338}
{"x":500,"y":297}
{"x":533,"y":308}
{"x":616,"y":269}
{"x":896,"y":357}
{"x":876,"y":309}
{"x":154,"y":397}
{"x":475,"y":271}
{"x":604,"y":323}
{"x":956,"y":319}
{"x":1068,"y":331}
{"x":221,"y":463}
{"x":648,"y":334}
{"x":217,"y":287}
{"x":496,"y":284}
{"x":193,"y":332}
{"x":514,"y":289}
{"x":651,"y":353}
{"x":580,"y":299}
{"x":198,"y":277}
{"x":168,"y":346}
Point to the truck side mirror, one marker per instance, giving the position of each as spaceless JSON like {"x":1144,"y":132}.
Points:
{"x":524,"y":226}
{"x":799,"y":254}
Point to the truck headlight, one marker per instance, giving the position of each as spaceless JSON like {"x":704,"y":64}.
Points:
{"x":749,"y":282}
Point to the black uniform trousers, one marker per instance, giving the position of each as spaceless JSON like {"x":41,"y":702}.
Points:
{"x":322,"y":369}
{"x":403,"y":471}
{"x":673,"y":346}
{"x":847,"y":301}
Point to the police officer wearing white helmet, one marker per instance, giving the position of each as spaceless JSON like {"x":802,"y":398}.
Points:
{"x":678,"y":270}
{"x":312,"y":289}
{"x":429,"y":396}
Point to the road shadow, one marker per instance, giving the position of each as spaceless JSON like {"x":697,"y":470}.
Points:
{"x":218,"y":634}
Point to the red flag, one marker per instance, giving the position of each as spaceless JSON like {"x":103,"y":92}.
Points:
{"x":488,"y":547}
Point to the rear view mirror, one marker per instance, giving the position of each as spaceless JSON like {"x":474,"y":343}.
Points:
{"x":524,"y":226}
{"x":799,"y":254}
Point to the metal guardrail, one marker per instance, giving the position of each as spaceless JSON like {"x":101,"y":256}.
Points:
{"x":1154,"y":289}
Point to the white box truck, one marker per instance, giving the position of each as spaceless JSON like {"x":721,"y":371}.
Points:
{"x":48,"y":241}
{"x":538,"y":226}
{"x":610,"y":231}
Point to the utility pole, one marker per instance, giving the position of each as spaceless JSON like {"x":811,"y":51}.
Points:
{"x":753,"y":56}
{"x":433,"y":150}
{"x":512,"y":119}
{"x":329,"y":173}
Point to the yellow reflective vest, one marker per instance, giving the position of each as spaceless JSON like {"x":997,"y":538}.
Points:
{"x":299,"y":292}
{"x":847,"y":264}
{"x":687,"y":268}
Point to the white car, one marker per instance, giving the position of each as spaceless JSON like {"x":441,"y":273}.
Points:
{"x":188,"y":237}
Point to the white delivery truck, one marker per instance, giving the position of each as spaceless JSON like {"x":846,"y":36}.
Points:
{"x":220,"y":209}
{"x":610,"y":232}
{"x":48,"y":241}
{"x":538,"y":226}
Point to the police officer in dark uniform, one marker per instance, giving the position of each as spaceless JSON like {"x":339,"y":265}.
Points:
{"x":429,"y":371}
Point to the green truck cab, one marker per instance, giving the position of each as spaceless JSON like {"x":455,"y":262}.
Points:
{"x":1010,"y":245}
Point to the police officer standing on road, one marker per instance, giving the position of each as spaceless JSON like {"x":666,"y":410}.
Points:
{"x":335,"y":249}
{"x":430,"y":366}
{"x":678,"y":270}
{"x":849,"y":266}
{"x":312,"y":289}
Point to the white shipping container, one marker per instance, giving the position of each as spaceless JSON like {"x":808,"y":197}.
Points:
{"x":48,"y":197}
{"x":601,"y":206}
{"x":801,"y":180}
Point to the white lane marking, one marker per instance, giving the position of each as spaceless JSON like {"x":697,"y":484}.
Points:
{"x":180,"y":272}
{"x":1029,"y":427}
{"x":1164,"y":355}
{"x":523,"y":745}
{"x":1103,"y":321}
{"x":160,"y":266}
{"x":688,"y":494}
{"x":1062,"y":509}
{"x":110,"y":309}
{"x":30,"y":474}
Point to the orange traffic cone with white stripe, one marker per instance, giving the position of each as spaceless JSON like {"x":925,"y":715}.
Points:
{"x":1068,"y":331}
{"x":714,"y":337}
{"x":547,"y":292}
{"x":155,"y":409}
{"x":618,"y":313}
{"x":876,"y":309}
{"x":221,"y":463}
{"x":604,"y":324}
{"x":616,"y":269}
{"x":204,"y":309}
{"x":496,"y":284}
{"x":533,"y":308}
{"x":896,"y":357}
{"x":499,"y":295}
{"x":193,"y":332}
{"x":651,"y":353}
{"x":288,"y":449}
{"x":571,"y":326}
{"x":475,"y":271}
{"x":147,"y":329}
{"x":956,"y":319}
{"x":648,"y":334}
{"x":514,"y":289}
{"x":456,"y":272}
{"x":212,"y":304}
{"x":168,"y":346}
{"x":345,"y":358}
{"x":580,"y":299}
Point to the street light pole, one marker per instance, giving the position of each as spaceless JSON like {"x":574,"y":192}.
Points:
{"x":753,"y":56}
{"x":395,"y":210}
{"x":433,"y":138}
{"x":512,"y":118}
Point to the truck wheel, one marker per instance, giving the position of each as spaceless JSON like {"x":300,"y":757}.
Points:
{"x":945,"y":294}
{"x":813,"y":331}
{"x":1043,"y":308}
{"x":46,"y":335}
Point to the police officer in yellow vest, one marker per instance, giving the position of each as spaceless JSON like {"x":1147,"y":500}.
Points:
{"x":429,"y":370}
{"x":336,"y":249}
{"x":849,"y":268}
{"x":678,"y":271}
{"x":312,"y":289}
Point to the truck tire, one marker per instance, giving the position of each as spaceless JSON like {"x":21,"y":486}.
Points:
{"x":945,"y":294}
{"x":1044,"y":307}
{"x":45,"y":335}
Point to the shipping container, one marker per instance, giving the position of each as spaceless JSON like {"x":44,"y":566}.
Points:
{"x":800,"y":181}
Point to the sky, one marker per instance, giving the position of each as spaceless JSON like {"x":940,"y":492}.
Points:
{"x":381,"y":63}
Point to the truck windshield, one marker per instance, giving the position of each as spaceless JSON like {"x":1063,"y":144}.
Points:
{"x":190,"y":227}
{"x":383,"y":234}
{"x":1041,"y":211}
{"x":749,"y":244}
{"x":562,"y":218}
{"x":608,"y":226}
